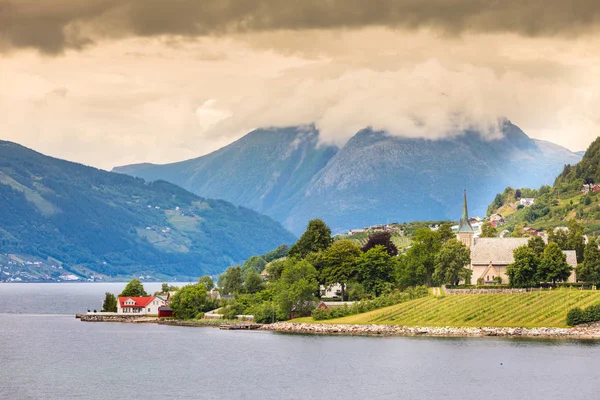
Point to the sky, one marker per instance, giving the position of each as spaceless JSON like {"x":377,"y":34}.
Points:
{"x":115,"y":82}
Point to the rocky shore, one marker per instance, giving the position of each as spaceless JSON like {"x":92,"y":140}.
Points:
{"x":116,"y":318}
{"x":581,"y":332}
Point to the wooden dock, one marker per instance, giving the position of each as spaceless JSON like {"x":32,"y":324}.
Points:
{"x":237,"y":327}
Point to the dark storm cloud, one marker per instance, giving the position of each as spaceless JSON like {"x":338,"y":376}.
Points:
{"x":54,"y":25}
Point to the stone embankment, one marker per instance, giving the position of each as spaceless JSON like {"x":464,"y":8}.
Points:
{"x":388,"y":330}
{"x":116,"y":318}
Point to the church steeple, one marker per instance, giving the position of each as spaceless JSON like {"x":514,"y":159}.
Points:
{"x":465,"y":226}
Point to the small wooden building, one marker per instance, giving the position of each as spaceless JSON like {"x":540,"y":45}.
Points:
{"x":165,"y":312}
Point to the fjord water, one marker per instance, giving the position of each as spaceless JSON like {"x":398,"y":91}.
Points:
{"x":46,"y":353}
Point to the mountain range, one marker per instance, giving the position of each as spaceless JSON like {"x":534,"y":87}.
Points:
{"x":374,"y":178}
{"x":83,"y":220}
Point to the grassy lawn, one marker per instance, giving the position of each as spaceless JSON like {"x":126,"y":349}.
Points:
{"x":533,"y":309}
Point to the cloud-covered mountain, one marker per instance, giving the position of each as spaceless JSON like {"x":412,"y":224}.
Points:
{"x":374,"y":178}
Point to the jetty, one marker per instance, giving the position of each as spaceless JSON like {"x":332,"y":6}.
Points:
{"x":235,"y":327}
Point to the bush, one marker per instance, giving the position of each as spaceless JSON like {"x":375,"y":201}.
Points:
{"x":200,"y":315}
{"x":577,"y":316}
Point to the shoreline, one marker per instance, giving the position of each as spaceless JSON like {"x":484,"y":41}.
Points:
{"x":591,"y":331}
{"x":581,"y":332}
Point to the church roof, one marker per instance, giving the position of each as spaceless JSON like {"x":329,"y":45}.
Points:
{"x":464,"y":226}
{"x":497,"y":251}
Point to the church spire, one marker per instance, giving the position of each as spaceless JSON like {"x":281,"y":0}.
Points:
{"x":465,"y":226}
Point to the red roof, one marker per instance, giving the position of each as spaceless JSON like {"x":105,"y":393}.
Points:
{"x":139,"y":301}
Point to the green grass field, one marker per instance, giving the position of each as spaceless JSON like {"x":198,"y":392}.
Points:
{"x":533,"y":309}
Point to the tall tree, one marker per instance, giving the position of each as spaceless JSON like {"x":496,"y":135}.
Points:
{"x":134,"y":289}
{"x":207,"y":281}
{"x":254,"y":264}
{"x":375,"y":270}
{"x":523,"y":271}
{"x":537,"y":244}
{"x":421,"y":256}
{"x":446,"y":233}
{"x":517,"y":194}
{"x":381,"y":239}
{"x":253,"y":283}
{"x":338,"y":263}
{"x":110,"y":303}
{"x":553,"y":265}
{"x":233,"y":280}
{"x":488,"y":231}
{"x":590,"y":269}
{"x":295,"y":290}
{"x":191,"y":300}
{"x":576,"y":241}
{"x":451,"y":262}
{"x":317,"y":237}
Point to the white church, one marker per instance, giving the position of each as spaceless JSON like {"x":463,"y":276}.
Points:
{"x":491,"y":256}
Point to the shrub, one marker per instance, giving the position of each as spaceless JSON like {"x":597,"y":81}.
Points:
{"x":200,"y":315}
{"x":575,"y":316}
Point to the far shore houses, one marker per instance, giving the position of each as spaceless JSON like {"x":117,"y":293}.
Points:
{"x":491,"y":256}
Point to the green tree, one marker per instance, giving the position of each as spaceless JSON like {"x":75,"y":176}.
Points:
{"x":560,"y":237}
{"x":191,"y":300}
{"x":207,"y":281}
{"x":421,"y":256}
{"x":166,"y":288}
{"x":575,"y":239}
{"x":296,"y":288}
{"x":553,"y":265}
{"x":488,"y":231}
{"x":274,"y":269}
{"x":450,"y":264}
{"x":317,"y":237}
{"x":110,"y":303}
{"x":279,"y":252}
{"x":518,"y":231}
{"x":134,"y":289}
{"x":537,"y":244}
{"x":233,"y":281}
{"x":381,"y":239}
{"x":523,"y":271}
{"x":446,"y":233}
{"x":338,"y":263}
{"x":253,"y":283}
{"x":254,"y":264}
{"x":375,"y":270}
{"x":590,"y":269}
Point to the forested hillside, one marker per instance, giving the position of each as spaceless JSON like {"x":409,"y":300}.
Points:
{"x":572,"y":196}
{"x":92,"y":221}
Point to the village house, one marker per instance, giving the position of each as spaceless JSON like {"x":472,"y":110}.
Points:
{"x":331,"y":292}
{"x":147,"y":305}
{"x":491,"y":256}
{"x":497,"y":218}
{"x":527,"y":201}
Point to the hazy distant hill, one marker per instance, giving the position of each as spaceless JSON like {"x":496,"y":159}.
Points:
{"x":98,"y":221}
{"x":374,"y":178}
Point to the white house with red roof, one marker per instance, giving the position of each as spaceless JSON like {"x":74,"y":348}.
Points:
{"x":140,"y":305}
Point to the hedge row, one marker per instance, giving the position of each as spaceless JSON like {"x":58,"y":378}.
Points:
{"x":577,"y":316}
{"x":360,"y":307}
